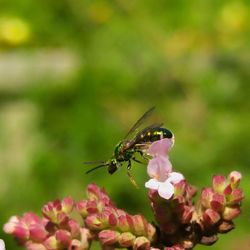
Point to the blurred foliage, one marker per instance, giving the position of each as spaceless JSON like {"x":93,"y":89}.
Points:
{"x":188,"y":58}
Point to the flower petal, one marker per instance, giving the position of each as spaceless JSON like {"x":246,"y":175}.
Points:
{"x":161,"y":147}
{"x":175,"y":177}
{"x":166,"y":190}
{"x":159,"y":167}
{"x":152,"y":184}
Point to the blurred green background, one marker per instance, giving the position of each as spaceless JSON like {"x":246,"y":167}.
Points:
{"x":75,"y":75}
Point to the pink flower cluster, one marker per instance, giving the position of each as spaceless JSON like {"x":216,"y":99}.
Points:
{"x":56,"y":230}
{"x":102,"y":221}
{"x":114,"y":227}
{"x":180,"y":224}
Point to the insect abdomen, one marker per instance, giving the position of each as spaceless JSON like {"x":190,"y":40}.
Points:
{"x":154,"y":135}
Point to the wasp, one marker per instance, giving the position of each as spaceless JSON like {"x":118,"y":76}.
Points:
{"x":126,"y":149}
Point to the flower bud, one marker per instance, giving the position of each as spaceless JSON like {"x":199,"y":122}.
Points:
{"x":225,"y":227}
{"x":108,"y":237}
{"x":139,"y":225}
{"x":53,"y":211}
{"x":37,"y":232}
{"x":219,"y":183}
{"x":63,"y":237}
{"x":141,"y":243}
{"x":122,"y":223}
{"x":210,"y":217}
{"x":74,"y":228}
{"x":67,"y":205}
{"x":230,"y":213}
{"x":85,"y":238}
{"x":235,"y":197}
{"x":17,"y":227}
{"x":206,"y":197}
{"x":81,"y":207}
{"x":34,"y":246}
{"x":235,"y":178}
{"x":51,"y":243}
{"x":218,"y":202}
{"x":126,"y":240}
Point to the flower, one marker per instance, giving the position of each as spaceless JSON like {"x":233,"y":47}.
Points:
{"x":165,"y":188}
{"x":2,"y":245}
{"x":160,"y":169}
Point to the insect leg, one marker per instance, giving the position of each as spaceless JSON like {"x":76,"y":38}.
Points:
{"x":134,"y":159}
{"x":129,"y":165}
{"x":131,"y":178}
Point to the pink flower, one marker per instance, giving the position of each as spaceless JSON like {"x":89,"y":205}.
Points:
{"x":165,"y":188}
{"x":160,"y":169}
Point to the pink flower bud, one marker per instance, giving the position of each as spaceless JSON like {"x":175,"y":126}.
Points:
{"x":76,"y":245}
{"x":206,"y":197}
{"x":51,"y":243}
{"x":53,"y":211}
{"x":17,"y":227}
{"x":37,"y":232}
{"x":108,"y":237}
{"x":139,"y":225}
{"x":74,"y":228}
{"x":235,"y":178}
{"x":67,"y":205}
{"x":94,"y":222}
{"x":218,"y":202}
{"x":151,"y":232}
{"x":81,"y":207}
{"x":112,"y":220}
{"x":235,"y":197}
{"x":225,"y":227}
{"x":85,"y":238}
{"x":175,"y":247}
{"x":227,"y":190}
{"x":186,"y":214}
{"x":210,"y":217}
{"x":126,"y":239}
{"x":179,"y":188}
{"x":219,"y":183}
{"x":231,"y":212}
{"x":122,"y":223}
{"x":35,"y":246}
{"x":63,"y":237}
{"x":141,"y":243}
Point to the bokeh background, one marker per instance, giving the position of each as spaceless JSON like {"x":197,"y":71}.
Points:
{"x":75,"y":75}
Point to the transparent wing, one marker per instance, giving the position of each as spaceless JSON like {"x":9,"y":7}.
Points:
{"x":137,"y":137}
{"x":140,"y":121}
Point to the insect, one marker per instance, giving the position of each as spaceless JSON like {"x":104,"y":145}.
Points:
{"x":126,"y":149}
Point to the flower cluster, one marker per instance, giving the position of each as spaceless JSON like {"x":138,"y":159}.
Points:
{"x":179,"y":223}
{"x":183,"y":224}
{"x":102,"y":221}
{"x":114,"y":227}
{"x":220,"y":205}
{"x":56,"y":230}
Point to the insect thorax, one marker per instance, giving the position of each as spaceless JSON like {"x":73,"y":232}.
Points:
{"x":122,"y":153}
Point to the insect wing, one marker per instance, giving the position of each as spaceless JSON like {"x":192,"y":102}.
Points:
{"x":136,"y":140}
{"x":140,"y":121}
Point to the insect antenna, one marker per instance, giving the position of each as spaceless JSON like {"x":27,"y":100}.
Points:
{"x":97,"y":167}
{"x":93,"y":162}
